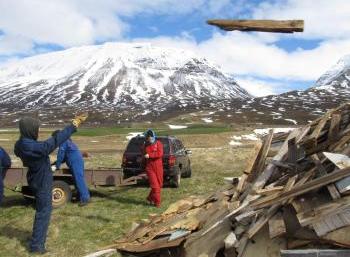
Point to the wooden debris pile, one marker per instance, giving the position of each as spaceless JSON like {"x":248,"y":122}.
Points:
{"x":295,"y":200}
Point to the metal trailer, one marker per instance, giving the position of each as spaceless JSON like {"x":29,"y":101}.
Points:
{"x":63,"y":184}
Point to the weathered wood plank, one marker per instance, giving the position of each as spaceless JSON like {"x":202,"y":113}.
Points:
{"x":299,"y":190}
{"x":277,"y":227}
{"x":264,"y":151}
{"x":315,"y":214}
{"x":270,"y":190}
{"x":315,"y":253}
{"x":334,"y":128}
{"x":270,"y":212}
{"x":332,"y":222}
{"x":253,"y":161}
{"x":264,"y":176}
{"x":322,"y":171}
{"x":281,"y":26}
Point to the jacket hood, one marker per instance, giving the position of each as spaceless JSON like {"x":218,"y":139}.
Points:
{"x":29,"y":128}
{"x":150,"y":133}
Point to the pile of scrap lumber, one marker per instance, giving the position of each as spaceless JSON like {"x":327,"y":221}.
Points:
{"x":292,"y":204}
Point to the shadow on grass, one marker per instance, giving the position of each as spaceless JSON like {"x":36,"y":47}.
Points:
{"x":23,"y":236}
{"x":89,"y":217}
{"x":118,"y":198}
{"x":14,"y":200}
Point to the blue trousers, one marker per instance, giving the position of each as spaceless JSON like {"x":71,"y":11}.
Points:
{"x":77,"y":168}
{"x":1,"y":185}
{"x":43,"y":208}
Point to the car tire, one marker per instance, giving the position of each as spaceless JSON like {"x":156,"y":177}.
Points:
{"x":176,"y":180}
{"x":188,"y":173}
{"x":61,"y":193}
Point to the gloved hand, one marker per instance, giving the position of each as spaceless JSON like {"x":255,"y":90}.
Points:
{"x":53,"y":168}
{"x":79,"y":119}
{"x":147,"y":156}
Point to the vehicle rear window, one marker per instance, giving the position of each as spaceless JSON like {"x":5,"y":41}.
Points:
{"x":136,"y":145}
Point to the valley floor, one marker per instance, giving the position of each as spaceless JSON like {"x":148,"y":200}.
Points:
{"x":76,"y":231}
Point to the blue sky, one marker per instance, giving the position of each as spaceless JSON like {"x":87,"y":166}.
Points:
{"x":263,"y":63}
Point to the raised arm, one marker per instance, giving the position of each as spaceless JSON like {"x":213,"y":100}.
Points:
{"x":61,"y":154}
{"x":48,"y":146}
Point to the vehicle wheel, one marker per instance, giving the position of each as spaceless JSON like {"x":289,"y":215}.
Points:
{"x":188,"y":173}
{"x":61,"y":193}
{"x":176,"y":180}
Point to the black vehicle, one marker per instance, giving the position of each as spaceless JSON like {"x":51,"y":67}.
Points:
{"x":176,"y":161}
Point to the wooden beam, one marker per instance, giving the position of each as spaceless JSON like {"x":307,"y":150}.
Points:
{"x":280,"y":26}
{"x":252,"y":162}
{"x":315,"y":253}
{"x":277,"y":227}
{"x":299,"y":190}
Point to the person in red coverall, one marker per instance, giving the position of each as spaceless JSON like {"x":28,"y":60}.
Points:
{"x":153,"y":154}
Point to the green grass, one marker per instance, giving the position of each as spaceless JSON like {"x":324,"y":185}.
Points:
{"x":160,"y":129}
{"x":193,"y":129}
{"x":76,"y":231}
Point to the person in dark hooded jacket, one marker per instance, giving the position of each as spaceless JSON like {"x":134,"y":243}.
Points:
{"x":5,"y":164}
{"x":35,"y":155}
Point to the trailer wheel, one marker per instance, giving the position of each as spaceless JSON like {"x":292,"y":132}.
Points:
{"x":61,"y":193}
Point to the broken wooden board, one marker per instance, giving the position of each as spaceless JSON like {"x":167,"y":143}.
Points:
{"x":262,"y":246}
{"x":333,"y":191}
{"x":252,"y":163}
{"x":264,"y":176}
{"x":340,"y":236}
{"x":317,"y":213}
{"x":269,"y":191}
{"x":210,"y":243}
{"x":277,"y":227}
{"x":270,"y":212}
{"x":308,"y":186}
{"x":280,"y":26}
{"x":332,"y":222}
{"x":334,"y":128}
{"x":264,"y":151}
{"x":150,"y":246}
{"x":342,"y":162}
{"x":315,"y":253}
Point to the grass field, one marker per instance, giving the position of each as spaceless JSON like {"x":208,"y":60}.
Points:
{"x":76,"y":231}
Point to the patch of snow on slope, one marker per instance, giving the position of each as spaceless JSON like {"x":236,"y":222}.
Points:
{"x":177,"y":126}
{"x":207,"y":120}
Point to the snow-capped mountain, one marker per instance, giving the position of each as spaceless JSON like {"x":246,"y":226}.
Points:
{"x":115,"y":76}
{"x":301,"y":106}
{"x":122,"y":82}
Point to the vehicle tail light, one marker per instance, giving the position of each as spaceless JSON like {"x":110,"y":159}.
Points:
{"x":172,"y":160}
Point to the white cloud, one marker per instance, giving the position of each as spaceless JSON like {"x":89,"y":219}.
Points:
{"x":258,"y":87}
{"x":11,"y":44}
{"x":251,"y":55}
{"x":247,"y":54}
{"x":323,"y":18}
{"x":254,"y":58}
{"x":79,"y":22}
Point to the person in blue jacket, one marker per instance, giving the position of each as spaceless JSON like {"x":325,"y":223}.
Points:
{"x":35,"y":155}
{"x":5,"y":164}
{"x":71,"y":155}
